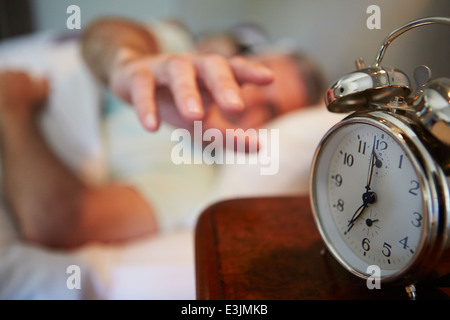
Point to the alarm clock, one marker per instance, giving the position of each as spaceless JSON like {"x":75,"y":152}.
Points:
{"x":380,"y":177}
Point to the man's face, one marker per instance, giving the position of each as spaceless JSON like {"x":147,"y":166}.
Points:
{"x":284,"y":94}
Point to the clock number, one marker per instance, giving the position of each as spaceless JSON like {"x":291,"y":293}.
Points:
{"x":366,"y":244}
{"x":415,"y":187}
{"x":404,"y":242}
{"x":386,"y":250}
{"x":362,"y":147}
{"x":338,"y":180}
{"x":400,"y":162}
{"x":417,"y":222}
{"x":340,"y":205}
{"x":348,"y":159}
{"x":381,"y":145}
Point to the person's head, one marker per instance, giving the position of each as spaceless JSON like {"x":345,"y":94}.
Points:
{"x":240,"y":39}
{"x":298,"y":84}
{"x":298,"y":80}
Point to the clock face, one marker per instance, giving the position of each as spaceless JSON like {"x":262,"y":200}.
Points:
{"x":369,"y":198}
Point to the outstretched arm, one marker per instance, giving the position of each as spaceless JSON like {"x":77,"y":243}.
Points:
{"x":176,"y":88}
{"x":109,"y":42}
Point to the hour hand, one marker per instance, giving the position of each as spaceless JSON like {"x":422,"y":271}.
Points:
{"x":356,"y":215}
{"x":368,"y":198}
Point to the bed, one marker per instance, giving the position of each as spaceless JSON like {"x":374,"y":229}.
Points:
{"x":158,"y":267}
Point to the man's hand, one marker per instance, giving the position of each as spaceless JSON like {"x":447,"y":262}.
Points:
{"x":179,"y":89}
{"x":175,"y":88}
{"x":21,"y":96}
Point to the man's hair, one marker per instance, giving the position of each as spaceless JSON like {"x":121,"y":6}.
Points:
{"x":252,"y":39}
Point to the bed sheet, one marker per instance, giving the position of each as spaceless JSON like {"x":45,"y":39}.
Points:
{"x":159,"y":267}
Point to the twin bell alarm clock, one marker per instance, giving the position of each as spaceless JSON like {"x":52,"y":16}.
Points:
{"x":380,"y":177}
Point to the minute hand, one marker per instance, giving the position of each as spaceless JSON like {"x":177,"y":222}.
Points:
{"x":368,"y":197}
{"x":370,"y":171}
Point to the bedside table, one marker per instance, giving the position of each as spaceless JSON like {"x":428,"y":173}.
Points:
{"x":270,"y":249}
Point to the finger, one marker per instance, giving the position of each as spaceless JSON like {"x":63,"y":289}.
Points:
{"x":182,"y":80}
{"x":219,"y":79}
{"x":142,"y":95}
{"x":248,"y":71}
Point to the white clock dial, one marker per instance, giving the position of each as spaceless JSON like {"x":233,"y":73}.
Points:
{"x":370,"y":195}
{"x":388,"y":229}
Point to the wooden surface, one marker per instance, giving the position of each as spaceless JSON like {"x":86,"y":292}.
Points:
{"x":270,"y":249}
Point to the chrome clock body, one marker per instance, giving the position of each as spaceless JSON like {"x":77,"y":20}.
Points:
{"x":380,"y":178}
{"x":380,"y":163}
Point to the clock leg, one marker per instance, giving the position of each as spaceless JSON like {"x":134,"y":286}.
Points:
{"x":411,"y":291}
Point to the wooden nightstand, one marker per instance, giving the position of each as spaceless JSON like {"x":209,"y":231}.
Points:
{"x":270,"y":249}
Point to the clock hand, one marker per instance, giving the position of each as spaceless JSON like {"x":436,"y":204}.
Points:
{"x":368,"y":198}
{"x":378,"y":162}
{"x":370,"y":172}
{"x":371,"y":164}
{"x":370,"y":222}
{"x":357,"y":214}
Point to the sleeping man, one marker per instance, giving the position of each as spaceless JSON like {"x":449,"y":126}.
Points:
{"x":150,"y":93}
